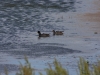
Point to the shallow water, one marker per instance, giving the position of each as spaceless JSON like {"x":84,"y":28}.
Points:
{"x":20,"y":21}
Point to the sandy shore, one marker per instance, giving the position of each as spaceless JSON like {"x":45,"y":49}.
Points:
{"x":93,"y":17}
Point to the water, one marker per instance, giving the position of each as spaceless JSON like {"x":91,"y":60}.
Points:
{"x":31,"y":15}
{"x":21,"y":19}
{"x":24,"y":17}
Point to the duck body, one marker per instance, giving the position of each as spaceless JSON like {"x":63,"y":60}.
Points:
{"x":57,"y":32}
{"x":43,"y":34}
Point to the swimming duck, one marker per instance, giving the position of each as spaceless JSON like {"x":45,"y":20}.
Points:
{"x":57,"y":32}
{"x":43,"y":34}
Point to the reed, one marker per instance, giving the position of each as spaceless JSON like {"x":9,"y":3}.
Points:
{"x":6,"y":71}
{"x":58,"y":69}
{"x":96,"y":69}
{"x":26,"y":69}
{"x":83,"y":66}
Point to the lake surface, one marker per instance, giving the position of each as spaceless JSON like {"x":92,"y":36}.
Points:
{"x":20,"y":20}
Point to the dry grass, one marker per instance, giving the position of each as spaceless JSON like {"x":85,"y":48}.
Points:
{"x":26,"y":69}
{"x":57,"y":68}
{"x":84,"y":67}
{"x":96,"y":69}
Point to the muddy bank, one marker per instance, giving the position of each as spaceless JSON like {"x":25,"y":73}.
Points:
{"x":92,"y":17}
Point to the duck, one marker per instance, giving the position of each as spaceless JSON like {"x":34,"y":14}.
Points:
{"x":57,"y":32}
{"x":43,"y":34}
